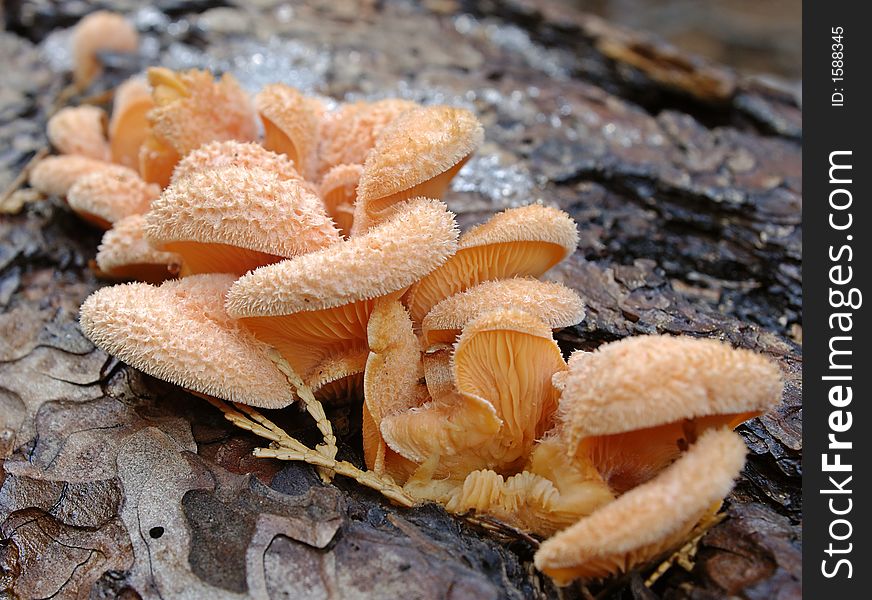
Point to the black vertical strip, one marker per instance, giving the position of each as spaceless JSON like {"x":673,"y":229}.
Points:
{"x":837,"y":424}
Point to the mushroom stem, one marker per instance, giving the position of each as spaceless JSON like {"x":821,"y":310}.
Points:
{"x":313,"y":407}
{"x":369,"y":479}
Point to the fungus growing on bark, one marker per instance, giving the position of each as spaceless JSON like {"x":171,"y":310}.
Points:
{"x":634,"y":405}
{"x":79,"y":130}
{"x":230,"y":153}
{"x":338,"y":190}
{"x":502,"y":365}
{"x":318,"y":304}
{"x":179,"y":332}
{"x":552,"y":303}
{"x":100,"y":31}
{"x":110,"y":194}
{"x":417,"y":154}
{"x":124,"y":253}
{"x":291,"y":122}
{"x":233,"y":220}
{"x":191,"y":109}
{"x":55,"y":175}
{"x":650,"y":519}
{"x":128,"y":125}
{"x":350,"y":132}
{"x":525,"y":241}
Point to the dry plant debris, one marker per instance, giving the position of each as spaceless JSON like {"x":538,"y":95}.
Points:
{"x":319,"y":262}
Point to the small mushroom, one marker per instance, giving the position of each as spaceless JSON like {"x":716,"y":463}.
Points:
{"x":338,"y":377}
{"x":634,"y":405}
{"x":128,"y":125}
{"x":350,"y":132}
{"x":417,"y":154}
{"x":100,"y":31}
{"x":179,"y":332}
{"x":651,"y":518}
{"x":109,"y":195}
{"x":338,"y":190}
{"x":318,"y":304}
{"x":291,"y":124}
{"x":552,"y":303}
{"x":124,"y":253}
{"x":79,"y":130}
{"x":191,"y":109}
{"x":55,"y":175}
{"x":503,"y":402}
{"x":525,"y":241}
{"x":233,"y":220}
{"x":230,"y":153}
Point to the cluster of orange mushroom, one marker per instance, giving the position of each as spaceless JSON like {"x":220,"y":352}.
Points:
{"x":316,"y":261}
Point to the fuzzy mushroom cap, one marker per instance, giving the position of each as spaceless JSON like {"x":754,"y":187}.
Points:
{"x":236,"y":219}
{"x":128,"y":126}
{"x":109,"y":195}
{"x":416,"y":155}
{"x":230,"y":153}
{"x":180,"y":333}
{"x":502,"y":366}
{"x":650,"y":519}
{"x":647,"y":381}
{"x":79,"y":130}
{"x":124,"y":253}
{"x":55,"y":175}
{"x":338,"y":190}
{"x":100,"y":31}
{"x":417,"y":240}
{"x":350,"y":132}
{"x":525,"y":241}
{"x":553,"y":303}
{"x":291,"y":125}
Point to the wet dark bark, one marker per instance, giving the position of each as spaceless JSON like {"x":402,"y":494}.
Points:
{"x":685,"y":181}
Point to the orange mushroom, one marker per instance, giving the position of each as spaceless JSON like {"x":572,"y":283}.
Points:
{"x":417,"y":154}
{"x":124,"y":253}
{"x":108,"y":195}
{"x":100,"y":31}
{"x":128,"y":125}
{"x":79,"y":130}
{"x":291,"y":124}
{"x":55,"y":175}
{"x":230,"y":153}
{"x":525,"y":241}
{"x":338,"y":190}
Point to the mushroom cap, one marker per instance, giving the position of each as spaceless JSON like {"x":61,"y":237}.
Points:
{"x":340,"y":375}
{"x":230,"y":153}
{"x":649,"y":519}
{"x":191,"y":109}
{"x":55,"y":175}
{"x":647,"y":381}
{"x":291,"y":125}
{"x":350,"y":132}
{"x":243,"y":208}
{"x":524,"y":241}
{"x":338,"y":190}
{"x":180,"y":333}
{"x":100,"y":31}
{"x":414,"y":242}
{"x":553,"y":303}
{"x":128,"y":125}
{"x":410,"y":155}
{"x":109,"y":195}
{"x":79,"y":130}
{"x":124,"y":253}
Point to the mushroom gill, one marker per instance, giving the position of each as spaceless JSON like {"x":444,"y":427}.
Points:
{"x":338,"y":191}
{"x":124,"y":253}
{"x":179,"y":332}
{"x":417,"y":154}
{"x":128,"y":125}
{"x":650,"y":519}
{"x":291,"y":123}
{"x":525,"y":241}
{"x":191,"y":109}
{"x":553,"y":303}
{"x":109,"y":195}
{"x":233,"y":220}
{"x":316,"y":304}
{"x":632,"y":406}
{"x":79,"y":130}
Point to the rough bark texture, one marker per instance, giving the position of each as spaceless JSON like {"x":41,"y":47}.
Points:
{"x":684,"y":179}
